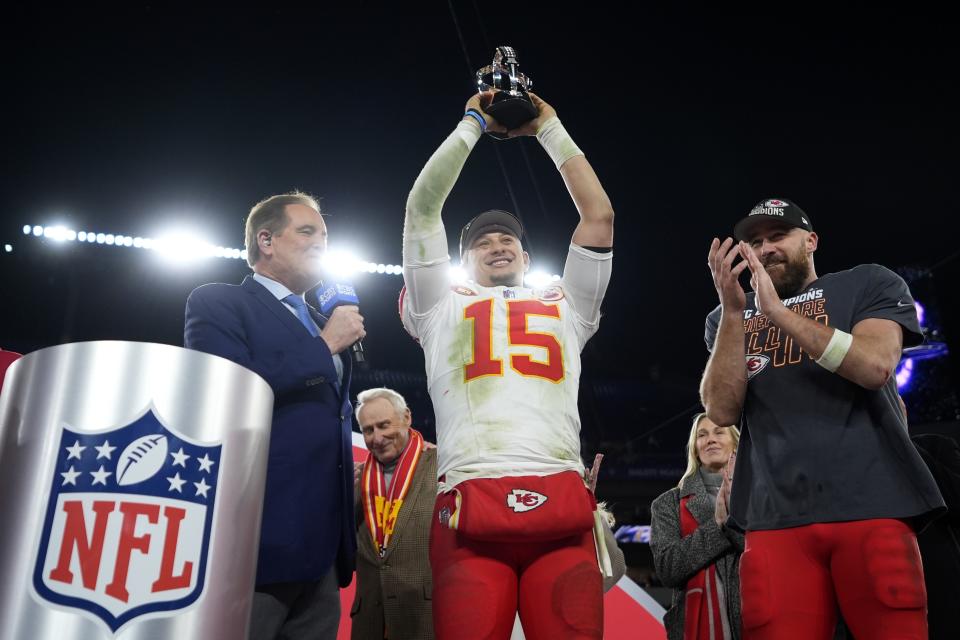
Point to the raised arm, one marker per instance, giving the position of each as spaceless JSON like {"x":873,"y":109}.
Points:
{"x":586,"y":274}
{"x":724,"y":383}
{"x":867,"y":356}
{"x":596,"y":213}
{"x":425,"y":255}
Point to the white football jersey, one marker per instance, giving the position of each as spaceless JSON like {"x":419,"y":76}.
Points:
{"x":503,"y":371}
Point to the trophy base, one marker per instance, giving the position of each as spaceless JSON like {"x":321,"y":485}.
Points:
{"x":512,"y":111}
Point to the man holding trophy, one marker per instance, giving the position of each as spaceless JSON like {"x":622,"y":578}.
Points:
{"x":515,"y":527}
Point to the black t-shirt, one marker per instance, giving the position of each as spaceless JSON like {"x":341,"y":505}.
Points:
{"x":816,"y":447}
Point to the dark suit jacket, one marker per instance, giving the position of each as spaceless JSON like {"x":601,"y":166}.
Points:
{"x":397,"y":590}
{"x":308,"y":504}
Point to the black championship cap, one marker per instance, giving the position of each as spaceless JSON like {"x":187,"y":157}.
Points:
{"x":772,"y":209}
{"x":489,"y":222}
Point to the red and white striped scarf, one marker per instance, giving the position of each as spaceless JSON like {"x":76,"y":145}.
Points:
{"x":381,"y":505}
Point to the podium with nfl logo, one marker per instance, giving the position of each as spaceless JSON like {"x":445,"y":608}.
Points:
{"x":132,"y":480}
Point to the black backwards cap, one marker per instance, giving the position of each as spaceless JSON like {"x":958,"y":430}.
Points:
{"x":489,"y":222}
{"x":779,"y":209}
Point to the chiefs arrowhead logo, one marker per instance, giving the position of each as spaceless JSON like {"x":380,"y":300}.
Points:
{"x":549,"y":294}
{"x":775,"y":203}
{"x":463,"y":290}
{"x":521,"y":500}
{"x":756,"y":364}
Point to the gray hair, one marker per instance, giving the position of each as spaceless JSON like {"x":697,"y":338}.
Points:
{"x":271,"y":214}
{"x":394,"y":398}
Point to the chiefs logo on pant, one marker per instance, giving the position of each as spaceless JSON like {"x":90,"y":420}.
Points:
{"x":521,"y":500}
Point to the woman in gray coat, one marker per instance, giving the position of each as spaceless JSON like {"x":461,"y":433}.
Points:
{"x":693,"y":552}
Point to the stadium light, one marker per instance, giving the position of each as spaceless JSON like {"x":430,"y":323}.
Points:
{"x":342,"y":263}
{"x":183,"y":247}
{"x":904,"y":374}
{"x":907,"y":367}
{"x":458,"y":275}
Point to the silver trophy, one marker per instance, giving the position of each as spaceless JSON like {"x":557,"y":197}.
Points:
{"x":511,"y":105}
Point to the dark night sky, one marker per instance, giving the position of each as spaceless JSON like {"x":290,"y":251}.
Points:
{"x":135,"y":120}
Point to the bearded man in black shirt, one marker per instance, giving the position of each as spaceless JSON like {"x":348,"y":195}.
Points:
{"x":828,"y":488}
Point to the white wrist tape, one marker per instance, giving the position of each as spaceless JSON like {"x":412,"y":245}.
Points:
{"x":469,"y":131}
{"x":836,"y":350}
{"x":557,"y":142}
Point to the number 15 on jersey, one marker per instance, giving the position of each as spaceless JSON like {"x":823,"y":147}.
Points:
{"x":481,"y":314}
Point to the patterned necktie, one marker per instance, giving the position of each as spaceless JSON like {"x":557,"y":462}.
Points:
{"x":297,"y":303}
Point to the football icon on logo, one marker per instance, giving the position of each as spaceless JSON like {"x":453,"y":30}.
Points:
{"x":141,"y":459}
{"x":131,"y":540}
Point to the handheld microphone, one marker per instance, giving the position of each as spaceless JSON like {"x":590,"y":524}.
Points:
{"x":337,"y":294}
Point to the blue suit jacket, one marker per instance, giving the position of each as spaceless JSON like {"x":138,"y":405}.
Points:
{"x":308,"y":505}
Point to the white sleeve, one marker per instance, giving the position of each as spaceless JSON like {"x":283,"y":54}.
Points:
{"x":586,"y":275}
{"x":425,"y":255}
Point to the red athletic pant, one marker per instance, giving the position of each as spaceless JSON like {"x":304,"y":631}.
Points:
{"x":792,"y":580}
{"x":478,"y":587}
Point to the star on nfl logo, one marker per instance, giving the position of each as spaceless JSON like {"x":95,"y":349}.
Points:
{"x":128,"y":522}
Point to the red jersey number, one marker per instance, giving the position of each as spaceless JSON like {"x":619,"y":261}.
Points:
{"x":518,"y":311}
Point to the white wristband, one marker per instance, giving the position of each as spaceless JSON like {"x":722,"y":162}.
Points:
{"x":836,"y":350}
{"x":469,"y":131}
{"x":557,"y":142}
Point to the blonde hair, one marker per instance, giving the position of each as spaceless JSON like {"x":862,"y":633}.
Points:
{"x":693,"y":461}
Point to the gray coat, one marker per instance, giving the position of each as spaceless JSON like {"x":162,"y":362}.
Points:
{"x":677,"y":559}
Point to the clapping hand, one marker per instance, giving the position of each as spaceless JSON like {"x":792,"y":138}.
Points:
{"x":767,"y":298}
{"x":723,"y":498}
{"x":726,"y":275}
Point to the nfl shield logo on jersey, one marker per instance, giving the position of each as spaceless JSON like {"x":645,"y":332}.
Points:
{"x":128,"y":522}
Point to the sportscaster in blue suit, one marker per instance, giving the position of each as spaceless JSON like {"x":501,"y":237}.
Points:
{"x":307,"y":538}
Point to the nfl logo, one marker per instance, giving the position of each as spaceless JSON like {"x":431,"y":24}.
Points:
{"x":509,"y":293}
{"x":128,"y":522}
